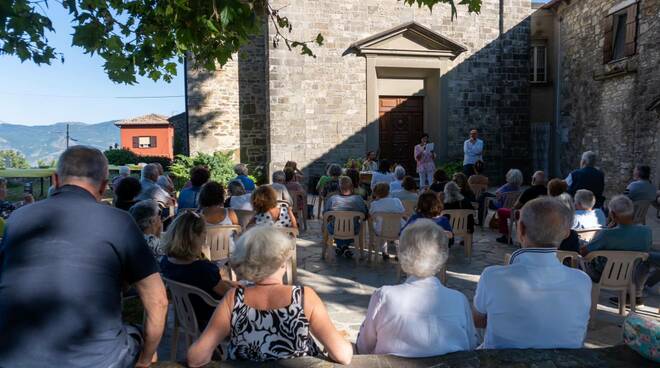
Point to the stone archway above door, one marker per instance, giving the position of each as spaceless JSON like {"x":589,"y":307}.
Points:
{"x":413,"y":51}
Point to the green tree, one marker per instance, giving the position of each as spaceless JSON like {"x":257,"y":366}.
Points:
{"x":13,"y":159}
{"x":148,"y":37}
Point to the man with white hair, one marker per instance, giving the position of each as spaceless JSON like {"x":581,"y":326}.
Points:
{"x":124,"y":171}
{"x":586,"y":217}
{"x":63,"y":264}
{"x":518,"y":305}
{"x":625,"y":235}
{"x":150,"y":189}
{"x":241,"y":171}
{"x":588,"y":177}
{"x":399,"y":174}
{"x":279,"y":184}
{"x":346,"y":200}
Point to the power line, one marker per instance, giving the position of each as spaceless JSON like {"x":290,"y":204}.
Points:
{"x":91,"y":97}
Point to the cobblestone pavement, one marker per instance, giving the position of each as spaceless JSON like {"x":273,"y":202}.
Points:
{"x":346,"y":285}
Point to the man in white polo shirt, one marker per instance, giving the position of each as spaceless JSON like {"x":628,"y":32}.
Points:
{"x":535,"y":301}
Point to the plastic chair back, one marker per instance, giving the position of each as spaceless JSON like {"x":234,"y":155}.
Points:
{"x":510,"y":198}
{"x":218,"y":241}
{"x":641,"y":209}
{"x":409,"y":206}
{"x":244,"y":217}
{"x":390,"y":225}
{"x":619,"y":269}
{"x":458,"y":220}
{"x":563,"y":255}
{"x":586,"y":235}
{"x":478,"y":189}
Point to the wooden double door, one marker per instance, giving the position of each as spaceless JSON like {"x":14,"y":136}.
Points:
{"x":401,"y":125}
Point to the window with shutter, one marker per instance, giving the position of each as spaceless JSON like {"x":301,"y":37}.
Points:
{"x":620,"y":33}
{"x":631,"y":30}
{"x":538,"y":64}
{"x":136,"y":142}
{"x":144,"y":142}
{"x":154,"y":143}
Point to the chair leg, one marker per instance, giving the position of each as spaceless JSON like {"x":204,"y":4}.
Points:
{"x":622,"y":302}
{"x":633,"y":297}
{"x":175,"y":339}
{"x":595,"y":294}
{"x":467,"y":239}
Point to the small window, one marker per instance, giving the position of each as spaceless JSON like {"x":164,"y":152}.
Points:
{"x":144,"y":142}
{"x":539,"y":64}
{"x":620,"y":34}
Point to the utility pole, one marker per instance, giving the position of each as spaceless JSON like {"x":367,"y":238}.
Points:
{"x":67,"y":136}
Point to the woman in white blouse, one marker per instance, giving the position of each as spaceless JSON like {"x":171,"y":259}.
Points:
{"x":420,"y":317}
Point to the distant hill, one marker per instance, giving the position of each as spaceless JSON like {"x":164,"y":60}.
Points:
{"x":46,"y":142}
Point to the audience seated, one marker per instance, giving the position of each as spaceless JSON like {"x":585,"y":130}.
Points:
{"x":147,"y":216}
{"x":586,"y":217}
{"x":211,"y":203}
{"x":64,"y":262}
{"x":641,"y":188}
{"x":297,"y":174}
{"x":332,"y":184}
{"x":462,"y":181}
{"x":279,"y":184}
{"x":268,"y":321}
{"x":478,"y":178}
{"x":370,"y":164}
{"x":556,"y":187}
{"x":358,"y":189}
{"x":572,"y":242}
{"x":383,"y":203}
{"x":514,"y":180}
{"x":420,"y":317}
{"x":238,"y":199}
{"x":624,"y":235}
{"x":291,"y":182}
{"x":268,"y":211}
{"x":535,"y":302}
{"x":440,"y":179}
{"x":383,"y":174}
{"x":587,"y":177}
{"x":241,"y":172}
{"x":346,"y":200}
{"x":189,"y":197}
{"x":164,"y":180}
{"x":324,"y":178}
{"x":409,"y":192}
{"x":429,"y":207}
{"x":150,"y":190}
{"x":124,"y":172}
{"x":6,"y":207}
{"x":125,"y":192}
{"x":186,"y":263}
{"x":454,"y":200}
{"x":537,"y":189}
{"x":399,"y":174}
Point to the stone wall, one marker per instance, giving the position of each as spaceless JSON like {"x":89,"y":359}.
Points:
{"x":607,"y":114}
{"x":314,"y":109}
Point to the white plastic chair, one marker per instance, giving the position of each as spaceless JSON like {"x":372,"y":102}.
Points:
{"x":509,"y":199}
{"x":390,"y":227}
{"x":292,"y":266}
{"x":184,"y":314}
{"x":300,"y":207}
{"x":409,"y":207}
{"x":344,"y":228}
{"x":244,"y":217}
{"x":617,"y":275}
{"x":641,"y":209}
{"x":563,"y":255}
{"x":459,"y":226}
{"x":218,"y":244}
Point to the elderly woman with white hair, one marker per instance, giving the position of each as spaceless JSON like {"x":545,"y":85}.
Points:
{"x":241,"y":172}
{"x":147,"y":216}
{"x":514,"y":180}
{"x":586,"y":217}
{"x":420,"y":317}
{"x":399,"y":174}
{"x":454,"y":200}
{"x":269,"y":320}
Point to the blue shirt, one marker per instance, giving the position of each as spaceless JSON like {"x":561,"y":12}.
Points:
{"x":641,"y":190}
{"x":634,"y":238}
{"x":189,"y":197}
{"x":63,"y":264}
{"x":472,"y":152}
{"x":440,"y":220}
{"x":248,"y":183}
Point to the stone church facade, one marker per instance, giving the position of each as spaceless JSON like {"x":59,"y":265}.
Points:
{"x":386,"y":73}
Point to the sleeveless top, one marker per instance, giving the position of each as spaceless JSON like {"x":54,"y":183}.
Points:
{"x":225,"y":221}
{"x":265,"y":218}
{"x":264,"y":335}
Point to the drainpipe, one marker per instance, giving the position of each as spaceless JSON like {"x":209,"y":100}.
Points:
{"x":556,"y":167}
{"x":185,"y":91}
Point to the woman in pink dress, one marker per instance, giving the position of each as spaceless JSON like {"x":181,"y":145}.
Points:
{"x":425,"y":162}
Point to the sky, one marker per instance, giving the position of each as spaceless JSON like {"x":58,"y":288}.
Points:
{"x":78,"y":89}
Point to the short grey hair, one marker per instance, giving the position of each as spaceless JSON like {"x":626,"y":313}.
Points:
{"x":589,"y":158}
{"x":514,"y":177}
{"x":150,"y":172}
{"x":260,"y":252}
{"x":235,"y":187}
{"x":83,"y":163}
{"x":334,"y":170}
{"x":547,"y":221}
{"x":538,"y":178}
{"x":423,"y":248}
{"x":585,"y":198}
{"x":279,"y":177}
{"x":145,"y":213}
{"x":345,"y":183}
{"x":399,"y":172}
{"x":240,"y":169}
{"x":452,"y":193}
{"x":124,"y":170}
{"x":622,"y":206}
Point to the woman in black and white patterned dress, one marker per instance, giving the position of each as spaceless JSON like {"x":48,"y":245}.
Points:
{"x":270,"y":320}
{"x":270,"y":212}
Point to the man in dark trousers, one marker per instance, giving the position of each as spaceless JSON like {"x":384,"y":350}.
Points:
{"x":63,"y":264}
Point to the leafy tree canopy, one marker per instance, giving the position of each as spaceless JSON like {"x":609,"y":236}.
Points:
{"x":149,"y":37}
{"x":13,"y":159}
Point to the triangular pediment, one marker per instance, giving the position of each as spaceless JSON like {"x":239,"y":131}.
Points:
{"x":410,"y":39}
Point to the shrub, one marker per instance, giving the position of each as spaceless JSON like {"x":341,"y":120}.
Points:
{"x":13,"y":159}
{"x":219,"y":164}
{"x":124,"y":156}
{"x":452,"y":167}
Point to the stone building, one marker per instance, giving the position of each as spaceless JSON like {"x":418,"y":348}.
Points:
{"x":386,"y":73}
{"x":608,"y":63}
